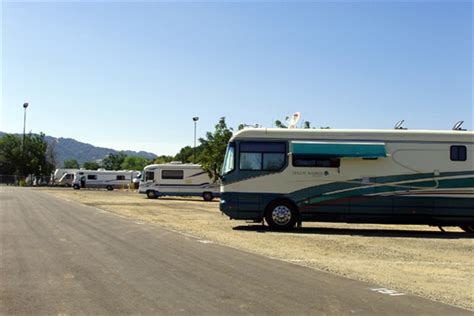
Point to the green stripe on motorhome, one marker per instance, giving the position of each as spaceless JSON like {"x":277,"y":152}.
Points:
{"x":334,"y":149}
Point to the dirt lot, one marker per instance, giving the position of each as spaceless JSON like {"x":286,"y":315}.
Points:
{"x":411,"y":259}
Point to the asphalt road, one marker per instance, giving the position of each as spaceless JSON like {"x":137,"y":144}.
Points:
{"x":60,"y":257}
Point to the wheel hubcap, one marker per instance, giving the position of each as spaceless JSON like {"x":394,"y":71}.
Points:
{"x":281,"y":215}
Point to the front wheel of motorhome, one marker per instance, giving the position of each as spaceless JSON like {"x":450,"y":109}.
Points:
{"x":468,"y":228}
{"x":207,"y":196}
{"x":109,"y":188}
{"x":76,"y":187}
{"x":151,"y":194}
{"x":281,"y":215}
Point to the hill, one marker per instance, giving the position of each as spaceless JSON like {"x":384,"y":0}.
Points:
{"x":68,"y":148}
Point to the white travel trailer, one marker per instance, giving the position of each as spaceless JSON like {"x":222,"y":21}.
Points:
{"x":177,"y":179}
{"x":104,"y":179}
{"x":399,"y":176}
{"x":64,"y":176}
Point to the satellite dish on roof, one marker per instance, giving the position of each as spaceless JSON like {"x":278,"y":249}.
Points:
{"x":294,"y":120}
{"x":399,"y":124}
{"x":457,"y":126}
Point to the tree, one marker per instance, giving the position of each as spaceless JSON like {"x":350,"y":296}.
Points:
{"x":134,"y":163}
{"x":32,"y":156}
{"x":306,"y":124}
{"x":186,"y":154}
{"x":163,"y":159}
{"x":113,"y":161}
{"x":91,"y":165}
{"x":214,"y":146}
{"x":71,"y":164}
{"x":10,"y":154}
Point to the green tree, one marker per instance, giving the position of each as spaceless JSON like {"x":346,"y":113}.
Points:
{"x":91,"y":165}
{"x":32,"y":156}
{"x":10,"y":154}
{"x":134,"y":163}
{"x":163,"y":159}
{"x":71,"y":164}
{"x":113,"y":161}
{"x":306,"y":124}
{"x":214,"y":146}
{"x":185,"y":154}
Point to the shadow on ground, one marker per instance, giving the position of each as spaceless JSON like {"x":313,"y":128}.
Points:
{"x":364,"y":232}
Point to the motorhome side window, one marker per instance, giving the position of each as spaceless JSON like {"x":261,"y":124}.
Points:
{"x":172,"y":174}
{"x":120,"y":177}
{"x":316,"y":161}
{"x":149,"y":175}
{"x":267,"y":156}
{"x":91,"y":177}
{"x":458,"y":153}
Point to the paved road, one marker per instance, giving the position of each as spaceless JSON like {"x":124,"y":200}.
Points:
{"x":59,"y":257}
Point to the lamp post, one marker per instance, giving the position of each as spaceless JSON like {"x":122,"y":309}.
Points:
{"x":25,"y":105}
{"x":195,"y":119}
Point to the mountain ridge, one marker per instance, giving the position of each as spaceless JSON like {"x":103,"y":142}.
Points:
{"x":70,"y":148}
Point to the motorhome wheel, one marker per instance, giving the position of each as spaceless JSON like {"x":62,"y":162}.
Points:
{"x":207,"y":196}
{"x":151,"y":194}
{"x":281,"y":215}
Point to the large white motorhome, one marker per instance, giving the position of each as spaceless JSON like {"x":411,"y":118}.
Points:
{"x":287,"y":176}
{"x":177,"y":179}
{"x":104,"y":179}
{"x":64,"y":177}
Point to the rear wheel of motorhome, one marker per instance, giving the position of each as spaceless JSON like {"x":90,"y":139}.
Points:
{"x":109,"y":188}
{"x":76,"y":187}
{"x":281,"y":215}
{"x":468,"y":228}
{"x":151,"y":194}
{"x":207,"y":196}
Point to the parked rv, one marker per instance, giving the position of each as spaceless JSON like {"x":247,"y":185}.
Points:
{"x":66,"y":180}
{"x":60,"y":179}
{"x":287,"y":176}
{"x":177,"y":179}
{"x":104,"y":179}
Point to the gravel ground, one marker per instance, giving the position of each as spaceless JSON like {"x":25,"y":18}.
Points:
{"x":411,"y":259}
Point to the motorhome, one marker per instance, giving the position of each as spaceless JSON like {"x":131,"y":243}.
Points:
{"x":64,"y":176}
{"x":287,"y":176}
{"x":66,"y":180}
{"x":104,"y":179}
{"x":177,"y":179}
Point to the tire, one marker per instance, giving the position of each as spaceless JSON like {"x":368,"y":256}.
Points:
{"x":468,"y":228}
{"x":76,"y":187}
{"x":109,"y":188}
{"x":207,"y":196}
{"x":151,"y":194}
{"x":281,"y":215}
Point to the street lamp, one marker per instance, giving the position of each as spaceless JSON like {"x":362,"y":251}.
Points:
{"x":25,"y":105}
{"x":195,"y":119}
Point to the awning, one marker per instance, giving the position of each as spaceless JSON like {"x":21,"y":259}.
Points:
{"x":339,"y":149}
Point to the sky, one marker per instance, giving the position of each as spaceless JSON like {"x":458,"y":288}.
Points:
{"x":132,"y":76}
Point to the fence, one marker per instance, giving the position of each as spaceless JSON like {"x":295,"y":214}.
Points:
{"x":8,"y":179}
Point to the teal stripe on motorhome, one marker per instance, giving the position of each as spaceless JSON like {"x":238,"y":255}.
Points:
{"x":356,"y":187}
{"x":357,"y":150}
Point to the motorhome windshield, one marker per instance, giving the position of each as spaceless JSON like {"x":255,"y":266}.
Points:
{"x":229,"y":159}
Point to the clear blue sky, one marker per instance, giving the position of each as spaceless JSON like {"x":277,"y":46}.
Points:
{"x":132,"y":75}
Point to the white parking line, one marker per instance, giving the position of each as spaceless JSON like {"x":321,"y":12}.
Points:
{"x":386,"y":291}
